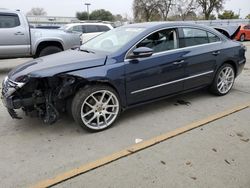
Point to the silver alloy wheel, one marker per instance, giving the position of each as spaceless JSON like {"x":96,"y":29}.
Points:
{"x":225,"y":80}
{"x":100,"y":109}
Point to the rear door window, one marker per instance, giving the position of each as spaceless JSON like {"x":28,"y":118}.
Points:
{"x":92,"y":28}
{"x":9,"y":20}
{"x":84,"y":28}
{"x":193,"y":37}
{"x":103,"y":28}
{"x":77,"y":28}
{"x":212,"y":37}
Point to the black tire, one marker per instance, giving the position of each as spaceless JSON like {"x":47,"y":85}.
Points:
{"x":214,"y":87}
{"x":242,"y":37}
{"x":82,"y":96}
{"x":49,"y":50}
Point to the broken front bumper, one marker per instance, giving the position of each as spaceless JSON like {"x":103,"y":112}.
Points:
{"x":11,"y":102}
{"x":11,"y":105}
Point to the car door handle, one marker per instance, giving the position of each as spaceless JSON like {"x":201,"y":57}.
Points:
{"x":19,"y":33}
{"x":216,"y":53}
{"x":179,"y":62}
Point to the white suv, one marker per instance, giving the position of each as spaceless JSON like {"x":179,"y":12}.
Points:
{"x":88,"y":30}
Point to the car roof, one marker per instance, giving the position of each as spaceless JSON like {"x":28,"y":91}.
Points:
{"x":155,"y":25}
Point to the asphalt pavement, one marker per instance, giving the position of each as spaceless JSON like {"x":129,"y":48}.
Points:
{"x":215,"y":155}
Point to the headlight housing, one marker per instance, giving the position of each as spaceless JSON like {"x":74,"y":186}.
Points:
{"x":9,"y":86}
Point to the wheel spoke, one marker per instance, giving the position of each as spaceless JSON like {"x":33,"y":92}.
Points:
{"x":91,"y":106}
{"x":226,"y":71}
{"x":103,"y":95}
{"x":98,"y":121}
{"x":111,"y":106}
{"x":86,"y":114}
{"x":91,"y":119}
{"x":105,"y":119}
{"x":95,"y":99}
{"x":229,"y":73}
{"x":110,"y":97}
{"x":220,"y":83}
{"x":110,"y":113}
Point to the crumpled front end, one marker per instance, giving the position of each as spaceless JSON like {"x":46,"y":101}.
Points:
{"x":42,"y":97}
{"x":12,"y":98}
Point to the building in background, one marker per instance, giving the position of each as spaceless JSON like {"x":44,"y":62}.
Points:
{"x":50,"y":20}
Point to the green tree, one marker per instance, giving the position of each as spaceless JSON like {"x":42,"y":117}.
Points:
{"x":102,"y":14}
{"x":208,"y":6}
{"x":248,"y":16}
{"x":228,"y":14}
{"x":82,"y":15}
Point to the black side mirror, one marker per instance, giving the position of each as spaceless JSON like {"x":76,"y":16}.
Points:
{"x":141,"y":52}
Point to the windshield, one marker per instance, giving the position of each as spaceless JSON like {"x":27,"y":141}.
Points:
{"x":112,"y":40}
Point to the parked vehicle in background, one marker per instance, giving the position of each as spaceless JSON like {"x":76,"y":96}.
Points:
{"x":122,"y":68}
{"x":88,"y":30}
{"x":244,"y":33}
{"x":17,"y":39}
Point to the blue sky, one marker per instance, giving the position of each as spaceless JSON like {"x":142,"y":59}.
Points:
{"x":69,"y":7}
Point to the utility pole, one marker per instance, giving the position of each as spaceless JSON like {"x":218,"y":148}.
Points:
{"x":87,"y":4}
{"x":239,"y":12}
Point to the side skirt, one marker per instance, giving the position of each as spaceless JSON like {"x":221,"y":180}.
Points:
{"x":162,"y":98}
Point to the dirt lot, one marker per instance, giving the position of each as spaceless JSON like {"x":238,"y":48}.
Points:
{"x":215,"y":155}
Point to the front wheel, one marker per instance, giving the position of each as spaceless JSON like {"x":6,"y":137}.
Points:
{"x":224,"y":80}
{"x":96,"y":108}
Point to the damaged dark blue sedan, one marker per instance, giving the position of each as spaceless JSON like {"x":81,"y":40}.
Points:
{"x":122,"y":68}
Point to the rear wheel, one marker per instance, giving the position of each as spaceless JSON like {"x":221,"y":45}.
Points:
{"x":49,"y":50}
{"x":224,"y":80}
{"x":96,"y":108}
{"x":242,"y":37}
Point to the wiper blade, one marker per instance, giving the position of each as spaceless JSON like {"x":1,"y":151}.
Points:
{"x":87,"y":51}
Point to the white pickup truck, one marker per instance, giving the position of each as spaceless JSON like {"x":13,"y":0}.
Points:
{"x":17,"y":39}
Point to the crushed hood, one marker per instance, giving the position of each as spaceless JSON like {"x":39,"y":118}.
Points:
{"x":58,"y":63}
